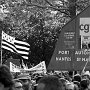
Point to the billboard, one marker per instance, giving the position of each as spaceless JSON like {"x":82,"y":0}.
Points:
{"x":73,"y":46}
{"x":85,"y":26}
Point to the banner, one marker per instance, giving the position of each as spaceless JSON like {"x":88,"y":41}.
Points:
{"x":14,"y":68}
{"x":40,"y":68}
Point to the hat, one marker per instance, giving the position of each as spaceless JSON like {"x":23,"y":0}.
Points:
{"x":24,"y":76}
{"x":87,"y":73}
{"x":63,"y":80}
{"x":69,"y":85}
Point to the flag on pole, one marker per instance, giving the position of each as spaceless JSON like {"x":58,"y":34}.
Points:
{"x":14,"y":45}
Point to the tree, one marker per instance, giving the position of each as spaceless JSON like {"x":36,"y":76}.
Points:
{"x":39,"y":22}
{"x":72,"y":8}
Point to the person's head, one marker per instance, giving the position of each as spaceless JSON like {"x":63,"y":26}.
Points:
{"x":6,"y":80}
{"x":77,"y":77}
{"x":49,"y":82}
{"x":85,"y":76}
{"x":77,"y":83}
{"x":85,"y":83}
{"x":64,"y":81}
{"x":18,"y":85}
{"x":26,"y":80}
{"x":69,"y":86}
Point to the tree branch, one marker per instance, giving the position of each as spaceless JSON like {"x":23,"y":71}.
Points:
{"x":48,"y":2}
{"x":62,"y":10}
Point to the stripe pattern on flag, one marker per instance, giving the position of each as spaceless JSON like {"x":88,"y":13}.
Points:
{"x":14,"y":45}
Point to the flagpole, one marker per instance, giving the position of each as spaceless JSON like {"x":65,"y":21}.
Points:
{"x":1,"y":48}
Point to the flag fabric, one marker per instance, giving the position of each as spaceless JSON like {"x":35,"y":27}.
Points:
{"x":14,"y":45}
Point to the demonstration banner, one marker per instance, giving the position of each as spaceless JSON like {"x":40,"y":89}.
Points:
{"x":14,"y":68}
{"x":40,"y":68}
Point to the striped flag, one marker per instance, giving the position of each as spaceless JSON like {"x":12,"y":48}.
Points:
{"x":12,"y":44}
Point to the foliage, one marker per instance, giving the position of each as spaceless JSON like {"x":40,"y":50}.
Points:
{"x":38,"y":22}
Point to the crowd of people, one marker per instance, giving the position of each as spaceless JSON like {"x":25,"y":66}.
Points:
{"x":26,"y":81}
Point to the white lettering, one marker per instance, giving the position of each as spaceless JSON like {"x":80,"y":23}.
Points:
{"x":63,"y":52}
{"x":82,"y":59}
{"x":63,"y":58}
{"x":78,"y":59}
{"x":85,"y":27}
{"x":84,"y":52}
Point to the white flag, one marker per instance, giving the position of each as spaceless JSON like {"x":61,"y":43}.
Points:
{"x":14,"y":45}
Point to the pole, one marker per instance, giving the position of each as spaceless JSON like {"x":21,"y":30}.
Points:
{"x":1,"y":48}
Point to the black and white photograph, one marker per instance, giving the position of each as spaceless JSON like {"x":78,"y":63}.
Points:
{"x":44,"y":44}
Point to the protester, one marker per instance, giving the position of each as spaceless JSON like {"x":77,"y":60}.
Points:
{"x":6,"y":80}
{"x":77,"y":84}
{"x":53,"y":81}
{"x":49,"y":82}
{"x":86,"y":75}
{"x":71,"y":86}
{"x":18,"y":85}
{"x":77,"y":77}
{"x":85,"y":84}
{"x":64,"y":81}
{"x":26,"y":81}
